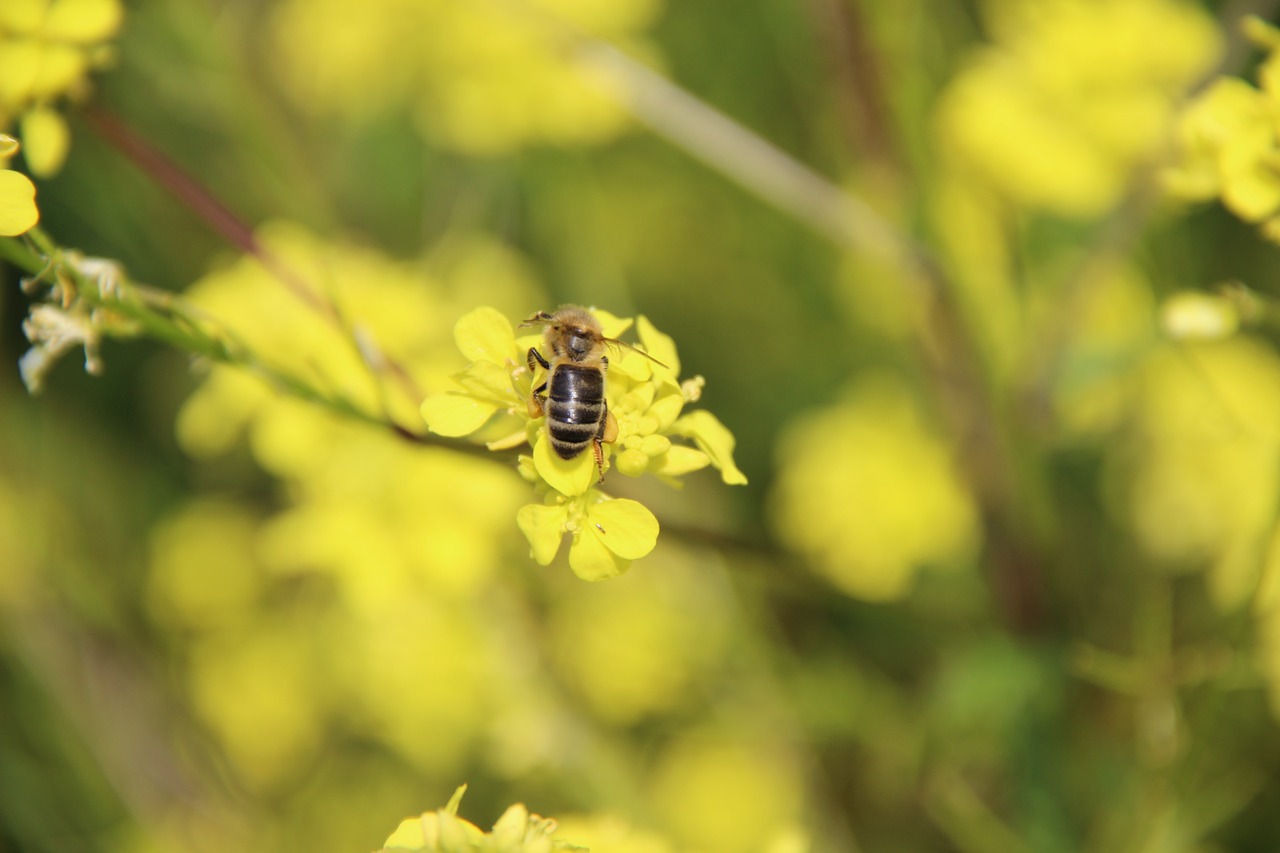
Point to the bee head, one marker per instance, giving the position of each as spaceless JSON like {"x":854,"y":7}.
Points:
{"x":579,"y":342}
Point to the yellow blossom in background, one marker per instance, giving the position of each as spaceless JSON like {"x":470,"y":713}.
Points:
{"x":485,"y":77}
{"x":638,"y":647}
{"x":1197,"y":479}
{"x":398,"y":541}
{"x":1072,"y":96}
{"x":732,"y":789}
{"x":47,"y":50}
{"x":1228,"y":141}
{"x":645,"y":398}
{"x":869,"y":492}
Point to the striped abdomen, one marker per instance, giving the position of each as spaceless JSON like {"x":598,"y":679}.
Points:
{"x":575,"y":408}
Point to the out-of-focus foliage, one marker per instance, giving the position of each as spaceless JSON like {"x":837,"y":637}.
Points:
{"x":998,"y":379}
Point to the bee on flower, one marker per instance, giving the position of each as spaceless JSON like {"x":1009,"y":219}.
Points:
{"x":630,"y":411}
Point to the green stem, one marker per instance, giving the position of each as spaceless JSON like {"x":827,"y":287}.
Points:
{"x":161,"y":316}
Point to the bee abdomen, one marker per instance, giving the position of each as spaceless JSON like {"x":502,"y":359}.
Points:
{"x":575,"y":408}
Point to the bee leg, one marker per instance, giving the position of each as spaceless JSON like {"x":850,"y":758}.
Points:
{"x":535,"y":403}
{"x":534,"y":355}
{"x":607,"y":434}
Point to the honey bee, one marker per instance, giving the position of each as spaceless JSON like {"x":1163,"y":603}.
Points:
{"x":574,"y":403}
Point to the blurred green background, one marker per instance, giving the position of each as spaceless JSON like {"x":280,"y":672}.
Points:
{"x":1003,"y":579}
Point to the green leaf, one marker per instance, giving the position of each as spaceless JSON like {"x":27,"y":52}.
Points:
{"x":715,"y":440}
{"x":625,"y":527}
{"x":485,"y":335}
{"x":452,"y":414}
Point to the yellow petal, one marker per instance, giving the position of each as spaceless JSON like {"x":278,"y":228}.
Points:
{"x":17,"y":203}
{"x":715,"y":440}
{"x":625,"y":527}
{"x":22,"y":16}
{"x":454,"y":415}
{"x":485,"y":335}
{"x":591,"y":560}
{"x":681,"y":460}
{"x":61,"y":66}
{"x":19,"y":66}
{"x":408,"y":835}
{"x":543,"y":526}
{"x":569,"y":477}
{"x":485,"y":380}
{"x":668,"y":406}
{"x":8,"y":146}
{"x":658,"y":345}
{"x":45,"y":140}
{"x":82,"y":21}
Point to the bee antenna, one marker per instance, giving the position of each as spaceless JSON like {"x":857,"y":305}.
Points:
{"x":634,"y":348}
{"x":542,"y":318}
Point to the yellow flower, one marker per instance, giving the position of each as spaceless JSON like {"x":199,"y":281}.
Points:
{"x":491,"y":399}
{"x":870,"y":494}
{"x":483,"y":77}
{"x":1196,"y":479}
{"x":1072,"y":96}
{"x":47,"y":50}
{"x":1228,"y":142}
{"x":442,"y":831}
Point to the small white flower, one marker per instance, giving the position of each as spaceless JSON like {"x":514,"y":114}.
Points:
{"x":52,"y":332}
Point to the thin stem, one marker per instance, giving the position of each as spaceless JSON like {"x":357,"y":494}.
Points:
{"x":747,"y":158}
{"x":162,"y":316}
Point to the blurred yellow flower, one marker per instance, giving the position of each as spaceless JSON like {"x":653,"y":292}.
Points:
{"x":203,"y":575}
{"x":1072,"y":96}
{"x":728,"y":790}
{"x":1197,"y":478}
{"x":404,"y":540}
{"x":47,"y":50}
{"x":640,"y":646}
{"x":1228,"y":142}
{"x":869,"y":493}
{"x":484,"y":77}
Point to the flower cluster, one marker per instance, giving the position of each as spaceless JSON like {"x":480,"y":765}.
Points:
{"x":1071,"y":96}
{"x":66,"y":320}
{"x":47,"y":50}
{"x":442,"y":831}
{"x":645,"y":398}
{"x":482,"y":77}
{"x":1228,"y":141}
